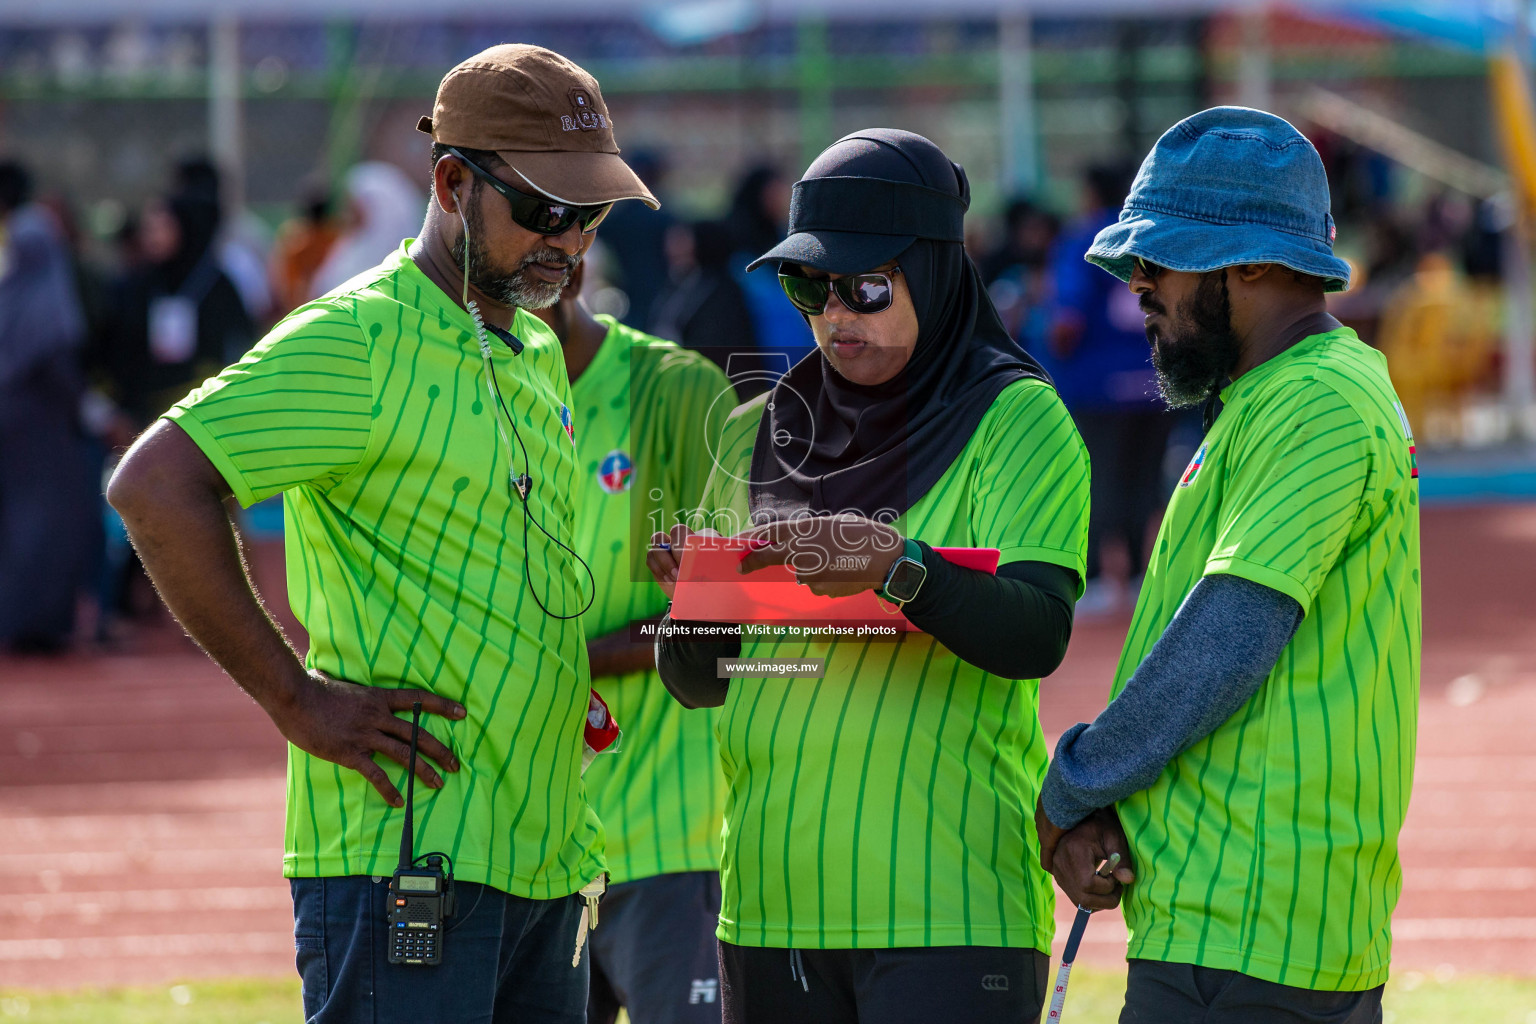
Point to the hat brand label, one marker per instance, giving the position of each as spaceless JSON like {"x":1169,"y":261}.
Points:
{"x":583,"y":116}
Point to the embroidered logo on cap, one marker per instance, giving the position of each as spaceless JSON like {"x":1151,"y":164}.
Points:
{"x":584,"y":116}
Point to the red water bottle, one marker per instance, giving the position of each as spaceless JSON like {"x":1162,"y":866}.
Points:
{"x":600,"y":731}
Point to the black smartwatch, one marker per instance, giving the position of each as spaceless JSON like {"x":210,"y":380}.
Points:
{"x":906,"y":575}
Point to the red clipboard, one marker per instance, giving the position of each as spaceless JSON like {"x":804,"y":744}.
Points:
{"x":709,"y":589}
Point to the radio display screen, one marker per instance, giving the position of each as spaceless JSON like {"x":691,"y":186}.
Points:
{"x":416,"y":883}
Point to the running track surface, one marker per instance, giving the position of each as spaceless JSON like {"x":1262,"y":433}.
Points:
{"x":141,"y":794}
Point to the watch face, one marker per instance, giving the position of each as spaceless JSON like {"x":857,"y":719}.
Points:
{"x":905,"y":579}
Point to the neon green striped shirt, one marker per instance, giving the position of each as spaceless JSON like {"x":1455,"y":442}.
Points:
{"x":1270,"y":847}
{"x":641,"y":413}
{"x":369,"y":411}
{"x":891,"y":802}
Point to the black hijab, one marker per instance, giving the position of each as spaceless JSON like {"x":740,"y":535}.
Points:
{"x":197,"y":219}
{"x":827,"y":445}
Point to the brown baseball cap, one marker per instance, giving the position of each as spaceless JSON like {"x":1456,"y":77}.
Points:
{"x":544,"y":116}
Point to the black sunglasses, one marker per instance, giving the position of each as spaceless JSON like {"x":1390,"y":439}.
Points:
{"x":539,"y":214}
{"x":1151,"y":271}
{"x":861,"y":293}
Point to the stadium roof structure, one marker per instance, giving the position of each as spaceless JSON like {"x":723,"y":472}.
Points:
{"x":1481,"y":25}
{"x":746,"y":12}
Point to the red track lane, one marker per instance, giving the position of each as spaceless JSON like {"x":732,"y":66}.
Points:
{"x":141,"y":795}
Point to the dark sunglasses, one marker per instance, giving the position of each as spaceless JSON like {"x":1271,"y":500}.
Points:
{"x":861,"y":293}
{"x":539,"y":214}
{"x":1151,"y":271}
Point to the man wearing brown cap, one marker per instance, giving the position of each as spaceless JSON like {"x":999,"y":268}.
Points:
{"x":417,"y":421}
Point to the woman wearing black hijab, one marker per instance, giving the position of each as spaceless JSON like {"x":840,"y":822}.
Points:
{"x":178,"y":319}
{"x":880,"y":862}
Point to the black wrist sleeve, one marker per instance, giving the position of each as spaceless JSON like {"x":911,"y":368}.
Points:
{"x":1015,"y":624}
{"x":687,"y":666}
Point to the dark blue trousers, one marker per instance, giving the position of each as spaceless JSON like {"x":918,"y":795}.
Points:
{"x":1168,"y":993}
{"x":655,"y":954}
{"x":506,"y":959}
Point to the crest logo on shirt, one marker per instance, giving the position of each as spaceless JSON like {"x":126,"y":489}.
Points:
{"x":1195,"y":465}
{"x":565,"y":421}
{"x":616,"y":472}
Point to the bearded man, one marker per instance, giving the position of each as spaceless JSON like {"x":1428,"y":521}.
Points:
{"x":1258,"y":747}
{"x":417,"y":421}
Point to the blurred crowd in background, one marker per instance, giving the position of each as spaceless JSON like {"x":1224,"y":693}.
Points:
{"x":98,"y":340}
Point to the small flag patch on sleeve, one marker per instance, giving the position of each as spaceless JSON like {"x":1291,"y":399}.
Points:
{"x":1195,"y":465}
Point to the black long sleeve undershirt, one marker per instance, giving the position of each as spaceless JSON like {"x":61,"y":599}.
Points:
{"x":1015,"y":625}
{"x":687,"y":667}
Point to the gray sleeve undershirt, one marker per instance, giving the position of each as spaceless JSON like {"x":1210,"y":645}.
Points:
{"x":1220,"y":647}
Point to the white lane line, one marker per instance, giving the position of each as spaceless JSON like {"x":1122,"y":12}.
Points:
{"x":36,"y":906}
{"x":1440,"y":929}
{"x":228,"y":860}
{"x":1410,"y":929}
{"x":1481,"y":840}
{"x":126,"y":946}
{"x":146,"y":821}
{"x":1418,"y":880}
{"x":1497,"y":768}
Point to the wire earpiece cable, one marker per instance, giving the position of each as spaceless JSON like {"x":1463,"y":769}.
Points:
{"x":521,"y":485}
{"x":529,"y":517}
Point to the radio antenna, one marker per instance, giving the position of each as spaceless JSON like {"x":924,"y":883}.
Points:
{"x":408,"y":834}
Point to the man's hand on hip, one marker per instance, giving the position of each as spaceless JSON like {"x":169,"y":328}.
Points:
{"x":347,"y":724}
{"x":171,"y":498}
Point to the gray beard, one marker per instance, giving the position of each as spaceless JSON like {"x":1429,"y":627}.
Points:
{"x":518,"y":289}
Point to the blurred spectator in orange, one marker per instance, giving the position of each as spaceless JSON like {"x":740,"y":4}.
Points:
{"x":1096,"y":350}
{"x":1439,"y":336}
{"x":301,"y":246}
{"x":47,"y":494}
{"x":177,"y":319}
{"x":383,"y":209}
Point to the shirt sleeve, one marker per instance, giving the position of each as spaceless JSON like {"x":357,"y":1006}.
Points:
{"x":1300,"y":472}
{"x":1031,"y":498}
{"x":1209,"y":662}
{"x":297,"y":409}
{"x":723,"y":504}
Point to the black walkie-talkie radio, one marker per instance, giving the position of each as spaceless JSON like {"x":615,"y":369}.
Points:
{"x":420,"y":898}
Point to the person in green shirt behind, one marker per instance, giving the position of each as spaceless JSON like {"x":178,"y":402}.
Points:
{"x":641,"y":406}
{"x":416,"y":421}
{"x":1258,"y":747}
{"x":880,"y":863}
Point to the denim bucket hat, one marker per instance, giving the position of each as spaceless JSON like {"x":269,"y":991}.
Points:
{"x":1226,"y":186}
